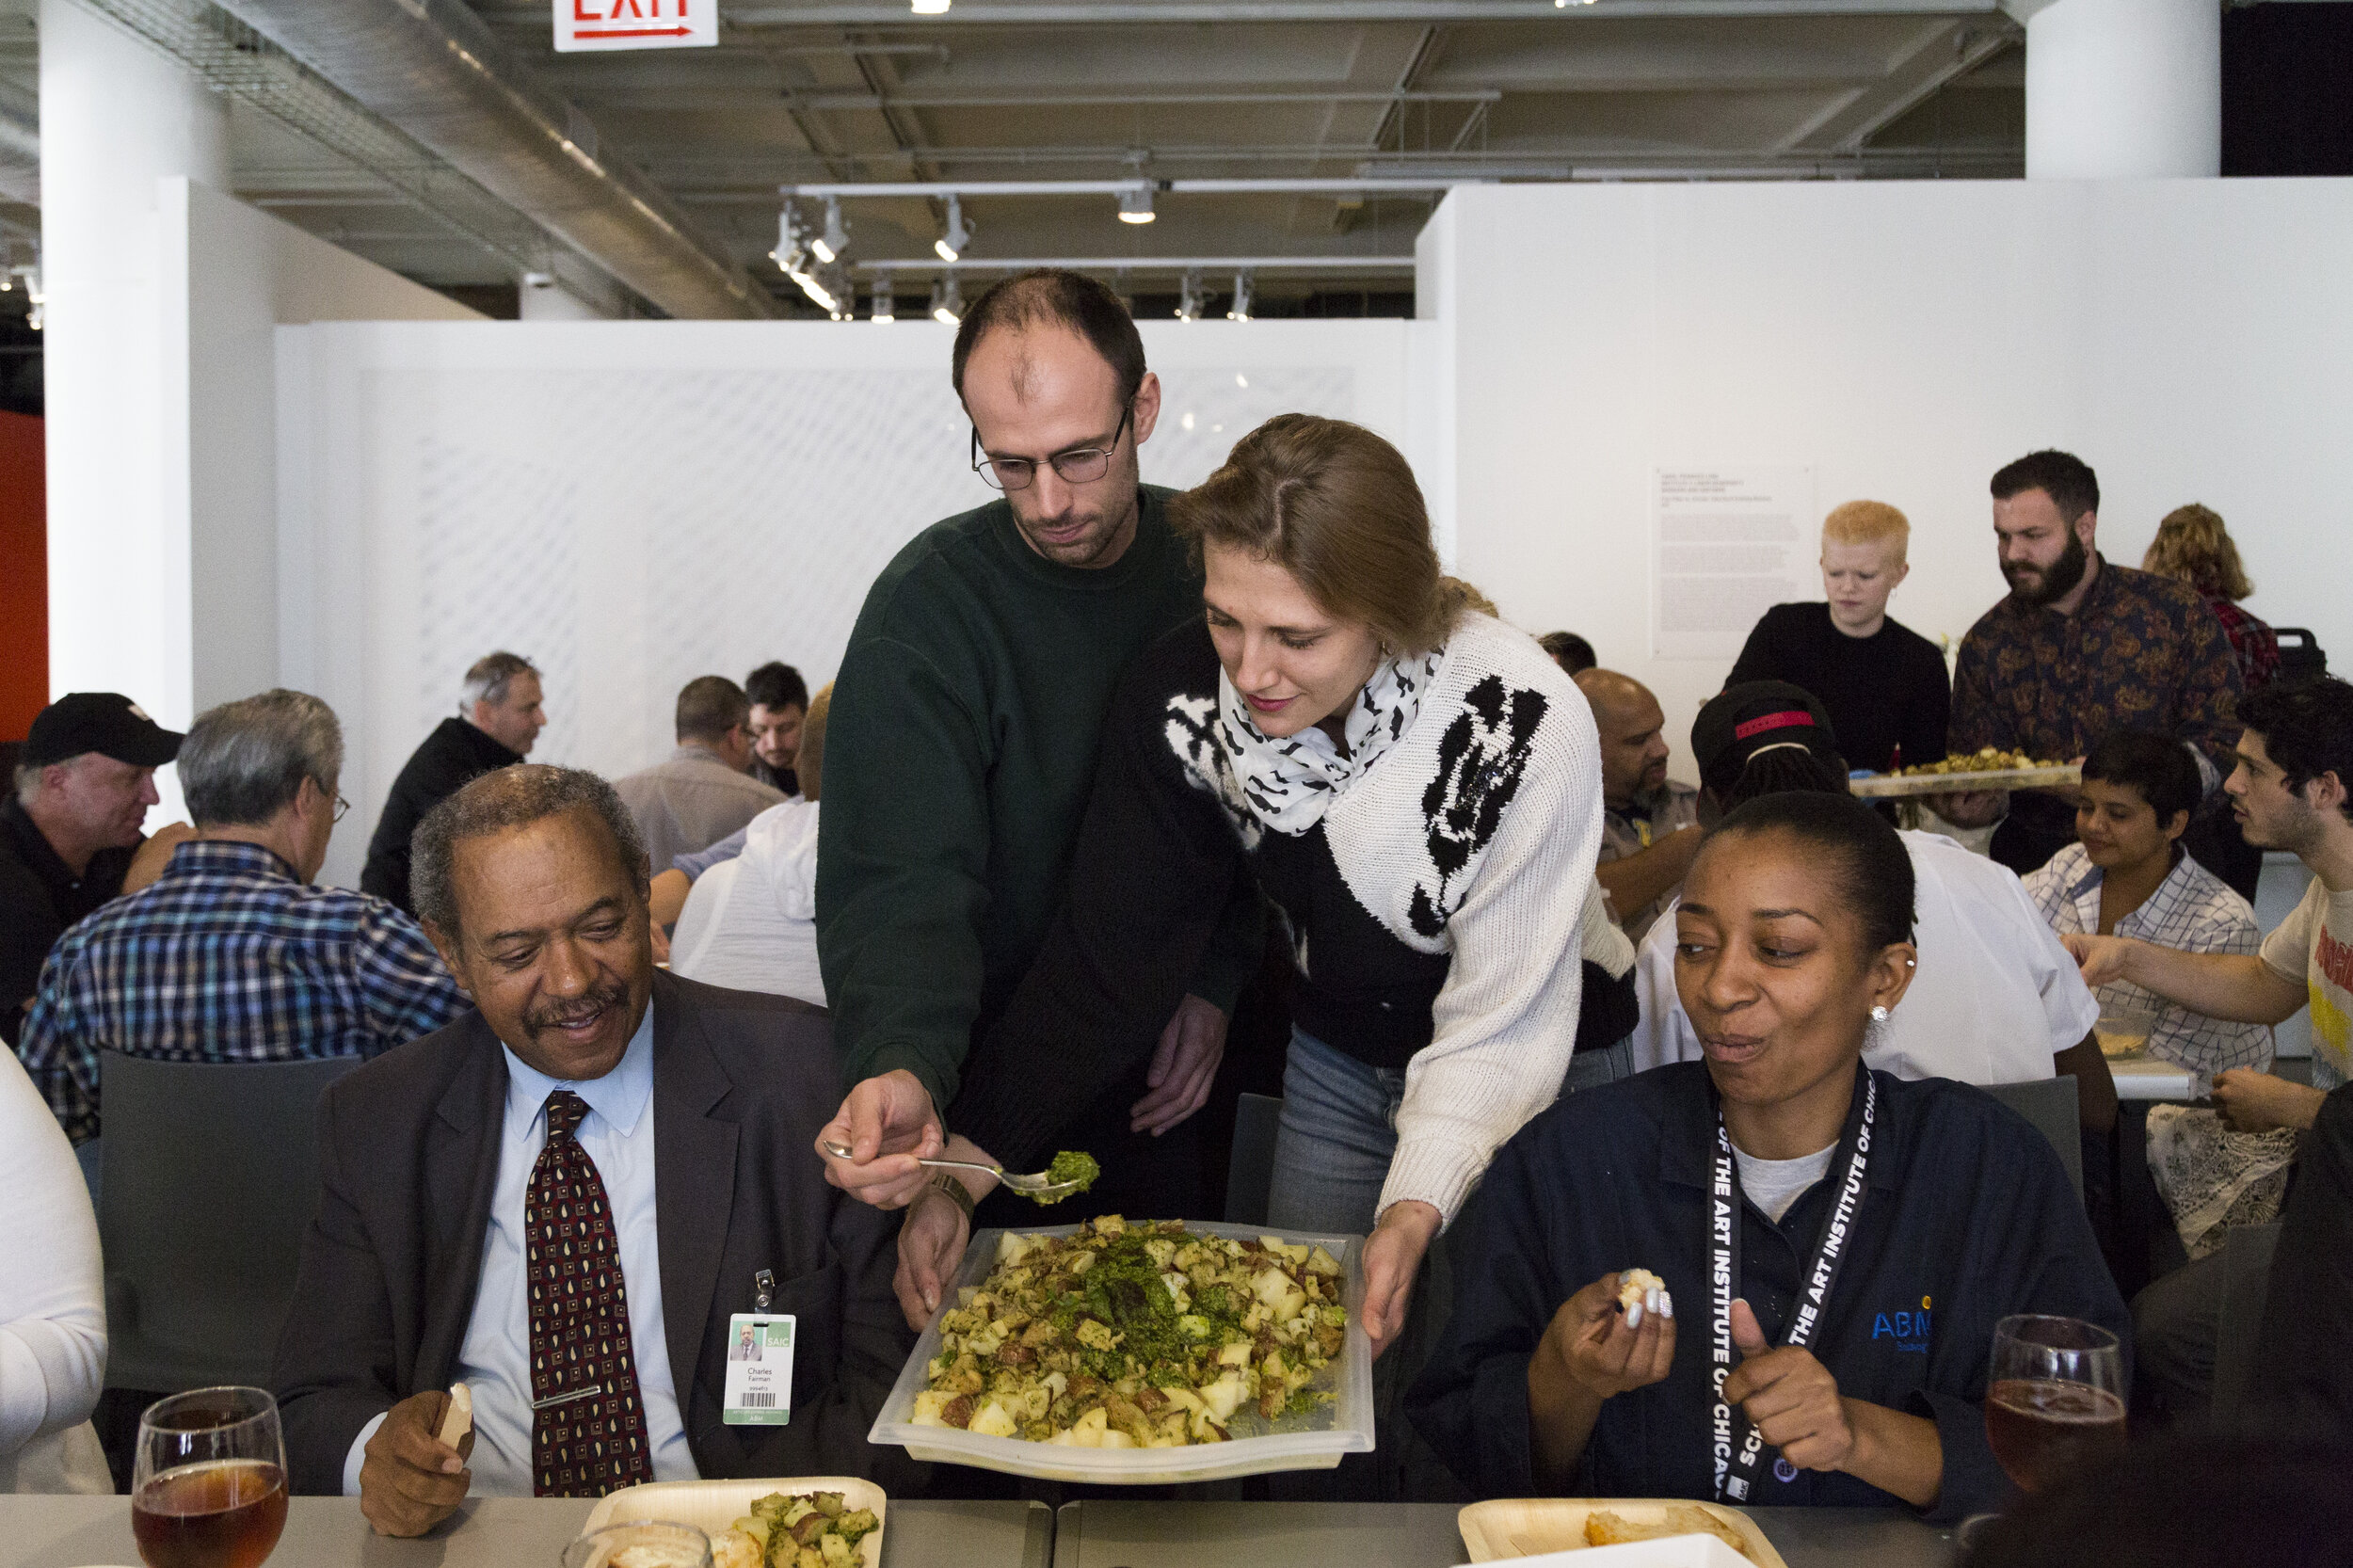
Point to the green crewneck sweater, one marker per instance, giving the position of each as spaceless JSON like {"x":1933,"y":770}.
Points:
{"x":959,"y":752}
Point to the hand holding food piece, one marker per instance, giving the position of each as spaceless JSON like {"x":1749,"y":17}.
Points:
{"x":409,"y":1480}
{"x":1606,"y":1350}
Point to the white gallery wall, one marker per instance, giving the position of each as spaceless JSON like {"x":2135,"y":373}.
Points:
{"x":632,"y":505}
{"x":2192,"y":339}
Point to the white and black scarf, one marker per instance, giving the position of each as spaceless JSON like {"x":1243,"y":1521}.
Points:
{"x":1289,"y":782}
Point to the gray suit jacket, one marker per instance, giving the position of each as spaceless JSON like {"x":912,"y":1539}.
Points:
{"x":409,"y":1152}
{"x":691,"y":802}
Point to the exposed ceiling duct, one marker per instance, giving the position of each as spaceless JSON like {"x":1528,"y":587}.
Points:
{"x":432,"y":69}
{"x":20,"y":157}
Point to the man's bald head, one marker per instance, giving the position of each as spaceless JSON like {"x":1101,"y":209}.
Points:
{"x":1633,"y":738}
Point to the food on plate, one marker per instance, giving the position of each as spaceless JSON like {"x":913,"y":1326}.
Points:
{"x":667,"y":1554}
{"x":1145,"y":1336}
{"x":1069,"y":1165}
{"x":1634,"y":1284}
{"x":815,"y":1530}
{"x":1608,"y":1528}
{"x":1984,"y":760}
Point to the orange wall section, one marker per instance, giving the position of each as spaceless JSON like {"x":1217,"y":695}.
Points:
{"x":23,"y":575}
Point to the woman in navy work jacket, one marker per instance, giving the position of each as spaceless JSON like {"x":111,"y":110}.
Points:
{"x":1794,"y":934}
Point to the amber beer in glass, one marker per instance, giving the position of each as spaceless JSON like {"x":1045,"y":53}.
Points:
{"x":2054,"y":1397}
{"x":208,"y":1486}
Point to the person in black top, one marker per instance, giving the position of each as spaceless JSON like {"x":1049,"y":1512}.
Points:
{"x":1884,"y":684}
{"x":70,"y":830}
{"x":2303,"y":1380}
{"x":502,"y":718}
{"x":1864,"y":1236}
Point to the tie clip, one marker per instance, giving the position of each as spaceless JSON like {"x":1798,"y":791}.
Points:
{"x":555,"y":1400}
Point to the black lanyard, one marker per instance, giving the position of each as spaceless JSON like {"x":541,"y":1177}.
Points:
{"x":1735,"y":1473}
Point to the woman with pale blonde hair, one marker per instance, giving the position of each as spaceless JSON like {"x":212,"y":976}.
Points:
{"x":2192,"y":546}
{"x":1883,"y":684}
{"x":1414,"y":787}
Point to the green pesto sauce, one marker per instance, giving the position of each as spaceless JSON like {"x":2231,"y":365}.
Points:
{"x":1124,"y":1290}
{"x":1071,"y":1165}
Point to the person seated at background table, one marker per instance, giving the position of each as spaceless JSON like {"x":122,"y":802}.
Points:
{"x":52,"y":1305}
{"x":508,"y":1161}
{"x":1937,"y":1210}
{"x":1883,"y":684}
{"x":501,"y":711}
{"x":2290,"y":791}
{"x":234,"y":954}
{"x":1572,"y":653}
{"x":2193,"y":546}
{"x":2127,"y":876}
{"x":705,"y":790}
{"x":70,"y":837}
{"x":1414,"y":786}
{"x":779,"y":700}
{"x":2079,"y":649}
{"x":751,"y":921}
{"x":1995,"y":998}
{"x":1650,"y":822}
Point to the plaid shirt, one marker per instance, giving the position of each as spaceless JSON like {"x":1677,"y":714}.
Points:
{"x":2140,"y":652}
{"x":2191,"y":911}
{"x":228,"y":958}
{"x":2251,"y":640}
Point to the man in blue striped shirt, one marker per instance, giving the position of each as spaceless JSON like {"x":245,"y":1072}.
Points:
{"x":232,"y":954}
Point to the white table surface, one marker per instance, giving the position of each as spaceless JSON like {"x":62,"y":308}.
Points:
{"x":2149,"y":1078}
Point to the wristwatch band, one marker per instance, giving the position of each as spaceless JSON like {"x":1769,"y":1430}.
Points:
{"x":945,"y":1181}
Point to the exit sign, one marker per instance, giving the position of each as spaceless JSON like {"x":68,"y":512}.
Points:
{"x":582,"y":25}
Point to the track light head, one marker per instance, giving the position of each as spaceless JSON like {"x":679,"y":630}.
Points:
{"x":886,"y":308}
{"x":1135,"y":205}
{"x":955,"y":235}
{"x":947,"y":301}
{"x":1240,"y":310}
{"x":1189,"y":300}
{"x":829,"y":245}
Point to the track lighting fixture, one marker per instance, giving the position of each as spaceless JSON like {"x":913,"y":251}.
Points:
{"x":1240,"y":310}
{"x":886,"y":304}
{"x":1135,"y":206}
{"x":829,"y":245}
{"x":947,"y":301}
{"x":956,"y":235}
{"x":1189,"y":300}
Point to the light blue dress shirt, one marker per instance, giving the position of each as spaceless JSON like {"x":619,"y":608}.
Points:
{"x":495,"y":1356}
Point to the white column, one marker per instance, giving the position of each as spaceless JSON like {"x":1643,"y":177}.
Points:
{"x":2122,"y":90}
{"x":115,"y":119}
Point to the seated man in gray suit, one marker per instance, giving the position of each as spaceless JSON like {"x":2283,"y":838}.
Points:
{"x":564,"y":1199}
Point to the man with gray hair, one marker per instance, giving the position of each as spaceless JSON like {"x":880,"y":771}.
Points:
{"x":231,"y":955}
{"x":705,"y":790}
{"x":499,"y":717}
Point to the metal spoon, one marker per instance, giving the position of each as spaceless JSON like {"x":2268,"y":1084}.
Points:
{"x":1038,"y":1187}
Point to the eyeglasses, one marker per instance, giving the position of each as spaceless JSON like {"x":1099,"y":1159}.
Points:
{"x":1077,"y":466}
{"x":342,"y":807}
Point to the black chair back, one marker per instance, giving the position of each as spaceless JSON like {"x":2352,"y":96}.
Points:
{"x":1250,"y":1169}
{"x":209,"y":1179}
{"x":2053,"y":1104}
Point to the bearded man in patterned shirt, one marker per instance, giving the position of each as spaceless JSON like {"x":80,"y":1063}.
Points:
{"x":2081,"y":648}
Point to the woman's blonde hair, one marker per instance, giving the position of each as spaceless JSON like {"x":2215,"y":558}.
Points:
{"x":2193,"y":546}
{"x":1335,"y":507}
{"x":1867,"y":522}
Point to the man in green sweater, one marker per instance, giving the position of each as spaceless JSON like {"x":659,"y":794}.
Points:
{"x":966,"y":718}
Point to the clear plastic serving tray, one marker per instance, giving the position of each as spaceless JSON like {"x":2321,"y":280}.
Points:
{"x":1314,"y":1441}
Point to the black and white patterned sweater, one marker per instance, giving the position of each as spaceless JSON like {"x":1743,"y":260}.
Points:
{"x":1436,"y":913}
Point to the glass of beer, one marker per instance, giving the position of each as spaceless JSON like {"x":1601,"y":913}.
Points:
{"x":2053,"y":1397}
{"x":208,"y":1485}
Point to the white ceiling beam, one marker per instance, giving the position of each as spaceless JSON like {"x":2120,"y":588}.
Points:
{"x":1941,"y":56}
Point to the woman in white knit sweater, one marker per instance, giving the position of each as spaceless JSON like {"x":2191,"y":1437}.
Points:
{"x":1415,"y":787}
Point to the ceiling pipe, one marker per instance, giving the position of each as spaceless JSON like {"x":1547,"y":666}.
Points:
{"x":1436,"y":184}
{"x":433,"y":69}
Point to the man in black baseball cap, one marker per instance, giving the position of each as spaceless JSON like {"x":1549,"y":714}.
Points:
{"x":68,"y":831}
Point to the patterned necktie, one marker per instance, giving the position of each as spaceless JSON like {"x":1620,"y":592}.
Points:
{"x":589,"y":1426}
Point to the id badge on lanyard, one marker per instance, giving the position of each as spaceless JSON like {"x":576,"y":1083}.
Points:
{"x":1736,"y":1469}
{"x":758,"y":1388}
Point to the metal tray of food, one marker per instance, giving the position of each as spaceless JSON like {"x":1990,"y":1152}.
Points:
{"x":1884,"y":785}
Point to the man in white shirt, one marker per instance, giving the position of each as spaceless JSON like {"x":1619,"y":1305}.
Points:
{"x":489,"y":1210}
